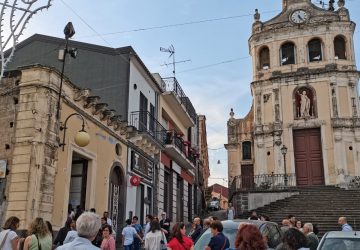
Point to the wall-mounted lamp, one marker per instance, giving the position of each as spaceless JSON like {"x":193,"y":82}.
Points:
{"x":82,"y":138}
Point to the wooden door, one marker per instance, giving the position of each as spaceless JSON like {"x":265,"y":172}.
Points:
{"x":247,"y":176}
{"x":308,"y":157}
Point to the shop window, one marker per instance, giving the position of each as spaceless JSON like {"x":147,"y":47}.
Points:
{"x":246,"y":150}
{"x":315,"y":51}
{"x":287,"y":53}
{"x":340,"y":47}
{"x":264,"y":58}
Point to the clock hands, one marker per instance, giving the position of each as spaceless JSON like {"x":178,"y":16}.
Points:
{"x":302,"y":19}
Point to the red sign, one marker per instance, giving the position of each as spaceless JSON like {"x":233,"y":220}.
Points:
{"x":135,"y":180}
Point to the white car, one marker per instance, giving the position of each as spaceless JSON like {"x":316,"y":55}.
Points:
{"x":338,"y":240}
{"x":214,"y":205}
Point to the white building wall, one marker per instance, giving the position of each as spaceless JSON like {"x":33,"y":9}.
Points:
{"x":160,"y":198}
{"x":143,"y":86}
{"x":186,"y":200}
{"x":174,"y":196}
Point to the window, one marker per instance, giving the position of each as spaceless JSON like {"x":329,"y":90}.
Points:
{"x":168,"y":194}
{"x":77,"y":192}
{"x":246,"y":150}
{"x":340,"y":47}
{"x":287,"y":53}
{"x":264,"y":58}
{"x":315,"y":53}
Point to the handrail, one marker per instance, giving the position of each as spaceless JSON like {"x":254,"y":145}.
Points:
{"x":143,"y":121}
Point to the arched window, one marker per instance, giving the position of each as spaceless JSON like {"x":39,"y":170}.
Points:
{"x":264,"y":58}
{"x":315,"y":51}
{"x":287,"y":53}
{"x":246,"y":150}
{"x":340,"y":47}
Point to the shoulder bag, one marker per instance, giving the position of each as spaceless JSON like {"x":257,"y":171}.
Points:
{"x":39,"y":246}
{"x":4,"y":240}
{"x":162,"y":242}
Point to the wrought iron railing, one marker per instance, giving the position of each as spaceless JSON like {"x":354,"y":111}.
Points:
{"x":262,"y":182}
{"x":171,"y":84}
{"x":179,"y":143}
{"x":143,"y":121}
{"x":349,"y":182}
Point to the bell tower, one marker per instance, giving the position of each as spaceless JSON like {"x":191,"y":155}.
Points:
{"x":305,"y":94}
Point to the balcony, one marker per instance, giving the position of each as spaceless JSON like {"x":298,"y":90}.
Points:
{"x":262,"y":182}
{"x":181,"y":104}
{"x":149,"y":135}
{"x":180,"y":151}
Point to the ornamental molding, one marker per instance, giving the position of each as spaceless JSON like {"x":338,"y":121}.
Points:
{"x":345,"y":123}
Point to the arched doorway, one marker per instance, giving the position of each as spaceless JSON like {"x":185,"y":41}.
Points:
{"x":116,"y":199}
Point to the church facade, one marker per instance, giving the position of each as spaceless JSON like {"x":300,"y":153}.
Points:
{"x":305,"y":100}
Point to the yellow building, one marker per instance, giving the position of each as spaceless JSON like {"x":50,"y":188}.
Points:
{"x":45,"y":176}
{"x":305,"y":101}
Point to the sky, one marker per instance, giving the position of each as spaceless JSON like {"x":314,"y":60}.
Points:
{"x":212,"y":34}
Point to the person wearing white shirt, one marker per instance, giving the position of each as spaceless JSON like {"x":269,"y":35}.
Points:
{"x":148,"y":220}
{"x":108,"y":220}
{"x":128,"y":234}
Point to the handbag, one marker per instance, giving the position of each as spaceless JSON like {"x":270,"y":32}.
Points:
{"x":4,"y":240}
{"x":162,"y":242}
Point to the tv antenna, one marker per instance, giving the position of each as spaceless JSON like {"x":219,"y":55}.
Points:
{"x":171,"y":51}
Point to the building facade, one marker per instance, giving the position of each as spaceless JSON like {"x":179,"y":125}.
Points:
{"x":305,"y":97}
{"x":46,"y":169}
{"x":156,"y":121}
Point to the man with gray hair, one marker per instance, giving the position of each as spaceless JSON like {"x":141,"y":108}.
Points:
{"x":313,"y":240}
{"x":87,"y":226}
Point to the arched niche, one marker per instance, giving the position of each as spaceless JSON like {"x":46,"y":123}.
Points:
{"x":304,"y":99}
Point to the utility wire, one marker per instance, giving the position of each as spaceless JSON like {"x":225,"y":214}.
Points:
{"x":89,"y":26}
{"x":179,"y":24}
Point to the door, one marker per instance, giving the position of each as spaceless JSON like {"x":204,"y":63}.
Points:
{"x":116,"y":199}
{"x":180,"y":199}
{"x":143,"y":113}
{"x":308,"y":157}
{"x":78,"y":181}
{"x":247,"y":176}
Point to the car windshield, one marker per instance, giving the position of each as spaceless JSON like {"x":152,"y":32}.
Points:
{"x":340,"y":243}
{"x":206,"y":236}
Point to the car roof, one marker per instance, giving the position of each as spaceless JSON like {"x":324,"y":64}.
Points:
{"x":341,"y":234}
{"x":234,"y":224}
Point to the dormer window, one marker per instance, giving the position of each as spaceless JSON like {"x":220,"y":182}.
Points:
{"x":340,"y":47}
{"x":287,"y":53}
{"x":264,"y":58}
{"x":315,"y":51}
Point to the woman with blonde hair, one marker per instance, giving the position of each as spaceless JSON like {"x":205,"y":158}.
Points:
{"x":39,"y":236}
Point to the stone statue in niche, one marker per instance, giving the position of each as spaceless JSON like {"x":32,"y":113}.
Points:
{"x":304,"y":103}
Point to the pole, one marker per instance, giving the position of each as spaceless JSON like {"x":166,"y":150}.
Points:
{"x":61,"y":80}
{"x":285,"y":177}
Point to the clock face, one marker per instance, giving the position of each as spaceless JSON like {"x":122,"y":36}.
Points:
{"x":299,"y":16}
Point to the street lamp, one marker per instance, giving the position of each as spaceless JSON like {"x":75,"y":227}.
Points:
{"x":82,"y":138}
{"x":69,"y":31}
{"x":284,"y":151}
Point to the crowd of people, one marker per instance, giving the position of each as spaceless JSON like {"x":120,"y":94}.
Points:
{"x":86,"y":230}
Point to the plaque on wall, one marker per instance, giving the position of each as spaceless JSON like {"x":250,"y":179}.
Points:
{"x":2,"y":169}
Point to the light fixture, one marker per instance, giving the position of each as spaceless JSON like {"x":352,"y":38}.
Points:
{"x":69,"y":32}
{"x":284,"y":151}
{"x":82,"y":138}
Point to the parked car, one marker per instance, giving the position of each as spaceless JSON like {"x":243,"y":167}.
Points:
{"x":269,"y":229}
{"x":336,"y":240}
{"x":214,"y":205}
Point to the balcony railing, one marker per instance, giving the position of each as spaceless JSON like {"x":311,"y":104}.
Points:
{"x":181,"y":145}
{"x":263,"y":182}
{"x":143,"y":121}
{"x":170,"y":84}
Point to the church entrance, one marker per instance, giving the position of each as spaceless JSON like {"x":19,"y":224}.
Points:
{"x":308,"y":157}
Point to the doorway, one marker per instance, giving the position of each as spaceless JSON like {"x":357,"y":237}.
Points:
{"x":247,"y":176}
{"x":78,"y":182}
{"x":308,"y":157}
{"x":116,"y":198}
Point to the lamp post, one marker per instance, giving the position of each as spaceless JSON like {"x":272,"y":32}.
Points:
{"x":284,"y":151}
{"x":82,"y":138}
{"x":69,"y":31}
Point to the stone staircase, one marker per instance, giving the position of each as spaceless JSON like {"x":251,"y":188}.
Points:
{"x":321,"y":206}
